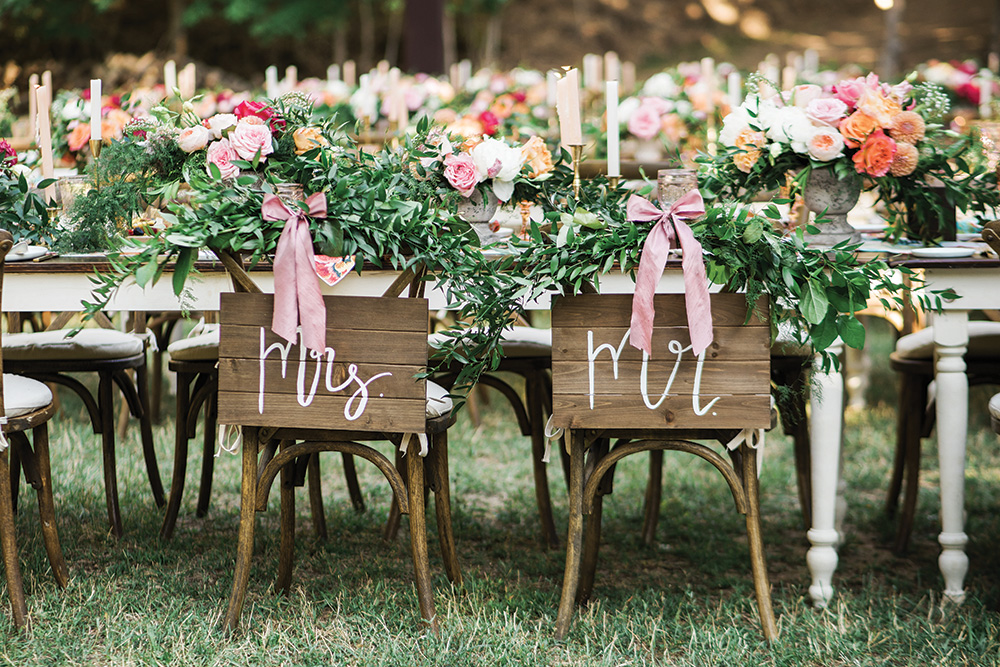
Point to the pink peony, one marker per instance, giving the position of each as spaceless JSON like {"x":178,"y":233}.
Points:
{"x":249,"y":138}
{"x":221,"y":154}
{"x":849,"y":90}
{"x":827,"y":111}
{"x":193,"y":138}
{"x":461,"y":173}
{"x":644,"y":122}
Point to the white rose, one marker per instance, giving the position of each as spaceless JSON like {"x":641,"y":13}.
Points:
{"x":364,"y":104}
{"x":660,"y":85}
{"x":735,"y":122}
{"x":73,"y":110}
{"x":495,"y":159}
{"x":627,"y":108}
{"x":193,"y":138}
{"x":788,"y":125}
{"x":221,"y":122}
{"x":804,"y":94}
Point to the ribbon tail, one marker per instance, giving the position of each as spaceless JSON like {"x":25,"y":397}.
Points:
{"x":651,"y":263}
{"x":311,"y":310}
{"x":285,"y":317}
{"x":696,"y":297}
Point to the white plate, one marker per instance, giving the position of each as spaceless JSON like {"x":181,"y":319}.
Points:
{"x":32,"y":252}
{"x":942,"y":252}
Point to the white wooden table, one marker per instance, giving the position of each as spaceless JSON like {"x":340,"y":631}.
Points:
{"x":977,"y":282}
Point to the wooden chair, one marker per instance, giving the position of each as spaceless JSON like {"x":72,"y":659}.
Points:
{"x":195,"y":360}
{"x":25,"y":405}
{"x":375,"y":347}
{"x":597,"y":397}
{"x":50,"y":356}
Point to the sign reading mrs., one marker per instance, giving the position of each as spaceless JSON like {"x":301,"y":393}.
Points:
{"x":600,"y":380}
{"x":361,"y":377}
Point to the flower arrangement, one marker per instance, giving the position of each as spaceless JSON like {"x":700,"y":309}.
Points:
{"x":888,"y":135}
{"x":22,"y":210}
{"x":71,"y":129}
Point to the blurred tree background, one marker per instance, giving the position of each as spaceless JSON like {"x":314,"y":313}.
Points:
{"x":237,"y":39}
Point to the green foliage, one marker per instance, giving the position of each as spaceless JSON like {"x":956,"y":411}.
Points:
{"x":22,"y":211}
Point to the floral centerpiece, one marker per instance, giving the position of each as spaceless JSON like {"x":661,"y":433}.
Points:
{"x":887,"y":135}
{"x":22,"y":210}
{"x":71,"y":128}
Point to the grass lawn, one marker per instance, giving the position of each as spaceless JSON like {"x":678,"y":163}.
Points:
{"x":687,"y":600}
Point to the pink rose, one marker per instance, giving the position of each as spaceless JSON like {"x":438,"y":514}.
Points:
{"x":193,"y":138}
{"x":221,"y":154}
{"x":827,"y":111}
{"x":849,"y":90}
{"x":248,"y":138}
{"x":461,"y":173}
{"x":644,"y":121}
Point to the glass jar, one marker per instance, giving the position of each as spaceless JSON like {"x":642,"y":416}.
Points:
{"x":672,"y":184}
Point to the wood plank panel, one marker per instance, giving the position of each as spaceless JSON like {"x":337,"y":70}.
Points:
{"x":325,"y":412}
{"x":615,"y":310}
{"x":730,"y":343}
{"x":717,"y":378}
{"x":355,"y":346}
{"x":629,"y":412}
{"x":400,"y":383}
{"x":342,"y":313}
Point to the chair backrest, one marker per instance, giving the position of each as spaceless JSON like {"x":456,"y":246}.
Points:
{"x":600,"y":381}
{"x":363,"y":380}
{"x":991,"y":234}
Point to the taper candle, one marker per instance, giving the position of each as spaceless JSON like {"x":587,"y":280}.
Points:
{"x":614,"y":162}
{"x":95,"y":109}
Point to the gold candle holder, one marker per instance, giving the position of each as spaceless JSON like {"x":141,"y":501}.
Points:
{"x":577,"y":152}
{"x":95,"y":148}
{"x":613,"y":182}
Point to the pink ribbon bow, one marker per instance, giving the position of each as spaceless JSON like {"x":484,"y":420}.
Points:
{"x":297,"y":297}
{"x":669,"y":226}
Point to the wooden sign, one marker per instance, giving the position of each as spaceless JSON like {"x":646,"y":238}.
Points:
{"x":362,"y":381}
{"x":600,"y":381}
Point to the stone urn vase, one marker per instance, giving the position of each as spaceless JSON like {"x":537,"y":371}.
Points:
{"x":478,"y":210}
{"x":832,"y":199}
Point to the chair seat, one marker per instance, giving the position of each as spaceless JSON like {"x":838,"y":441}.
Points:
{"x":22,"y":395}
{"x":438,"y":403}
{"x":203,"y":347}
{"x":88,"y":344}
{"x":984,"y":342}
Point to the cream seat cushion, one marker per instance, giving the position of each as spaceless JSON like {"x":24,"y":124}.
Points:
{"x":995,"y":407}
{"x":203,"y":347}
{"x":95,"y":344}
{"x":22,"y":395}
{"x":438,"y":403}
{"x":984,"y":342}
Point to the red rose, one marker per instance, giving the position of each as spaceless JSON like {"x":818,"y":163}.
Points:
{"x":490,"y":122}
{"x":262,"y":111}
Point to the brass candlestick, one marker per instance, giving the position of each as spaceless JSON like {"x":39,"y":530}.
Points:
{"x":613,"y":181}
{"x":95,"y":148}
{"x":577,"y":152}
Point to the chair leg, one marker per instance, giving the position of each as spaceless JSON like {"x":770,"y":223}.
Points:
{"x":534,"y":386}
{"x":353,"y":488}
{"x":248,"y":517}
{"x":208,"y":455}
{"x":391,"y":528}
{"x":911,"y":466}
{"x":8,"y":541}
{"x":591,"y":546}
{"x":286,"y":554}
{"x":418,"y":538}
{"x":184,"y":381}
{"x":146,"y":432}
{"x":105,"y":403}
{"x":438,"y":460}
{"x":758,"y":564}
{"x":15,"y":477}
{"x":904,"y":410}
{"x":316,"y":497}
{"x":654,"y":493}
{"x":46,"y":506}
{"x":574,"y":536}
{"x":803,"y":467}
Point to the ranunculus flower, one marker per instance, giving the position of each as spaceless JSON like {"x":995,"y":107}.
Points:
{"x":536,"y":155}
{"x":219,"y":123}
{"x":826,"y":144}
{"x":875,"y":156}
{"x":308,"y":138}
{"x":193,"y":138}
{"x":495,"y":159}
{"x":826,"y":111}
{"x":249,"y":138}
{"x":856,"y":128}
{"x":905,"y":161}
{"x":461,"y":173}
{"x":644,"y":122}
{"x":221,"y":154}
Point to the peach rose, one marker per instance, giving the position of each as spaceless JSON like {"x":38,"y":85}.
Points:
{"x":193,"y":138}
{"x":308,"y":138}
{"x":826,"y":144}
{"x":856,"y":128}
{"x":674,"y":128}
{"x":750,"y":143}
{"x":78,"y":136}
{"x":537,"y":156}
{"x":878,"y":106}
{"x":875,"y":156}
{"x":113,"y":122}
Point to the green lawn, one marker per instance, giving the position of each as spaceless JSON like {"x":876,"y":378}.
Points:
{"x":687,"y":600}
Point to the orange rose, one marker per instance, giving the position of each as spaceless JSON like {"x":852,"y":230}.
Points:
{"x":503,"y":106}
{"x":749,"y":142}
{"x":466,"y":127}
{"x":856,"y":128}
{"x":308,"y":138}
{"x":113,"y":122}
{"x":78,"y":137}
{"x":876,"y":155}
{"x":878,"y":106}
{"x":537,"y":156}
